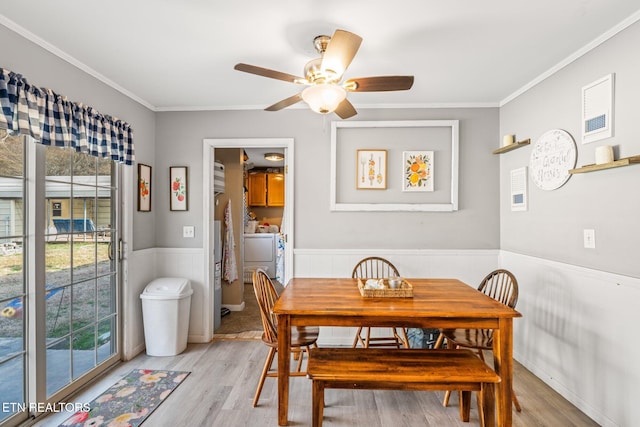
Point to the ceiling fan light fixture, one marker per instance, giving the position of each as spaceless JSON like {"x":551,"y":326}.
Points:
{"x":274,"y":157}
{"x":324,"y":98}
{"x":322,"y":76}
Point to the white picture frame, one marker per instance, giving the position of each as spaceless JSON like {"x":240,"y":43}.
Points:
{"x":597,"y":109}
{"x":519,"y":197}
{"x":417,"y":170}
{"x":445,"y":146}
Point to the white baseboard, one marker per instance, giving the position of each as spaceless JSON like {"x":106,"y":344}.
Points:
{"x":134,"y":352}
{"x":234,"y":307}
{"x":201,"y":339}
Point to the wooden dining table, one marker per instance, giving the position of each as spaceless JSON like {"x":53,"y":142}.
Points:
{"x":436,"y":303}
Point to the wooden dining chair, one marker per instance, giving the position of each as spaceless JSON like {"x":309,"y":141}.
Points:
{"x":502,"y":286}
{"x":302,"y":337}
{"x":378,"y":268}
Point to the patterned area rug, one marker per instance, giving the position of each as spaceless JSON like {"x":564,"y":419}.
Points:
{"x":129,"y":401}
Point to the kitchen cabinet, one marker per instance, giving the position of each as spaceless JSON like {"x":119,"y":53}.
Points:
{"x":257,"y":185}
{"x":266,"y":189}
{"x":275,"y":189}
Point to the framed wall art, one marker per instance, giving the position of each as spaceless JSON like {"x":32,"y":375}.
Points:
{"x":144,"y":188}
{"x":402,"y":164}
{"x":519,"y":189}
{"x":417,"y":171}
{"x":597,"y":109}
{"x":371,"y":169}
{"x":178,"y":188}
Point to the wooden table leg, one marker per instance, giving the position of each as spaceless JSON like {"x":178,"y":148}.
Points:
{"x":284,"y":360}
{"x":317,"y":399}
{"x":503,"y":365}
{"x":465,"y":405}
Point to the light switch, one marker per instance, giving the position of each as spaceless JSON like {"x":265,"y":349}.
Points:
{"x":590,"y":238}
{"x":188,"y":231}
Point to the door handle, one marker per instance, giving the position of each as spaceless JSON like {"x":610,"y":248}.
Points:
{"x":110,"y":251}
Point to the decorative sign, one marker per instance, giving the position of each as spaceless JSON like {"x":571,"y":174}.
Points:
{"x":552,"y":156}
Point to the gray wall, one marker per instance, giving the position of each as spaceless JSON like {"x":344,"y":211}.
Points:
{"x":607,"y":201}
{"x":179,"y":138}
{"x":44,"y":69}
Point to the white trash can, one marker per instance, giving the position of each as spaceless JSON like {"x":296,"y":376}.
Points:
{"x":166,"y":303}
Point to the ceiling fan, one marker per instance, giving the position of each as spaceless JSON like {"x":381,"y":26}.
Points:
{"x":324,"y":92}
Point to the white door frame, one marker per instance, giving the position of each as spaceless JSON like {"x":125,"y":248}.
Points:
{"x":208,"y":153}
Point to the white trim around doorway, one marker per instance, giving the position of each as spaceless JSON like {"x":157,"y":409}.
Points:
{"x":208,"y":151}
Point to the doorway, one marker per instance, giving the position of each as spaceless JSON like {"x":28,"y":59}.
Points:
{"x":209,"y":147}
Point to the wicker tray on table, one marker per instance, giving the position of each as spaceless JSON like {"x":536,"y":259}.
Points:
{"x":404,"y":290}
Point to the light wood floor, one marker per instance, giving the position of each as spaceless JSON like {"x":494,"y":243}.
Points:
{"x":224,"y":375}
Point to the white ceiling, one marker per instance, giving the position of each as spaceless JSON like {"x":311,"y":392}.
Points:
{"x":256,"y":157}
{"x":179,"y":55}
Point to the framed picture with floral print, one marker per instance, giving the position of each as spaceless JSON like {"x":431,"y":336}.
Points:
{"x":417,"y":174}
{"x":144,"y":188}
{"x":178,"y":188}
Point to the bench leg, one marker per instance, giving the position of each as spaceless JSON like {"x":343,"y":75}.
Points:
{"x":488,"y":412}
{"x":465,"y":405}
{"x":317,"y":403}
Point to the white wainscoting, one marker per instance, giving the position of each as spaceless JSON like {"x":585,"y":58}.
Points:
{"x":139,"y":268}
{"x":468,"y":265}
{"x":145,"y":265}
{"x":189,"y":263}
{"x":579,"y":334}
{"x":148,"y":264}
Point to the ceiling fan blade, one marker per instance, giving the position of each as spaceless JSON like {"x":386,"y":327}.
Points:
{"x":266,"y":72}
{"x":345,"y":109}
{"x":340,"y":51}
{"x":285,"y":103}
{"x":379,"y":83}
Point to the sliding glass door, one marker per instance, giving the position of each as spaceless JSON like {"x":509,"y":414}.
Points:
{"x":68,"y":294}
{"x":13,"y":283}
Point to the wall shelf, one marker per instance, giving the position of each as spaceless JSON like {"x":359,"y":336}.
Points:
{"x":615,"y":164}
{"x":513,"y":146}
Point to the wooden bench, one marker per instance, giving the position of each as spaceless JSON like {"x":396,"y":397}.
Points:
{"x":392,"y":369}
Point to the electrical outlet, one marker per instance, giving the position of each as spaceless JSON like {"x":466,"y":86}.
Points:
{"x":589,"y":238}
{"x":188,"y":231}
